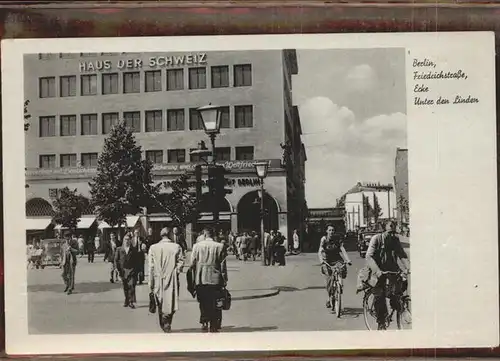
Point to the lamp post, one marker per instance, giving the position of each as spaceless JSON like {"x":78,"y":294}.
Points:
{"x":210,"y":117}
{"x":261,"y":169}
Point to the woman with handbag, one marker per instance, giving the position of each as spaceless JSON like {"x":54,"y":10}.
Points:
{"x":208,"y":264}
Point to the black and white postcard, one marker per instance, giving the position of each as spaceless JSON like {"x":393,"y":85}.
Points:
{"x":244,"y":193}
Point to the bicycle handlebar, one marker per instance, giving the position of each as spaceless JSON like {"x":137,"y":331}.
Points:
{"x":331,"y":266}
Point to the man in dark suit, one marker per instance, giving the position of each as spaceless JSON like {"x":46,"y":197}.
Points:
{"x":69,"y":250}
{"x":140,"y":245}
{"x":126,"y":261}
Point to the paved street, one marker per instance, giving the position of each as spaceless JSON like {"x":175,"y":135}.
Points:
{"x":290,"y":298}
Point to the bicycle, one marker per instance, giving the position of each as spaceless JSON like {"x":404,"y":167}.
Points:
{"x":401,"y":304}
{"x":336,"y":287}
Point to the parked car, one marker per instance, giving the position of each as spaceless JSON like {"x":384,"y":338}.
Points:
{"x":51,"y":255}
{"x":363,"y":242}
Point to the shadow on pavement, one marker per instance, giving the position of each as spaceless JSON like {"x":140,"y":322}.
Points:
{"x":294,"y":289}
{"x":353,"y":312}
{"x":229,"y":329}
{"x":85,"y":287}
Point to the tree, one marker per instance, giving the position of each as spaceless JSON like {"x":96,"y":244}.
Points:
{"x":27,"y":116}
{"x":181,"y":204}
{"x":377,"y":210}
{"x":367,"y":209}
{"x":123,"y":183}
{"x":68,"y":207}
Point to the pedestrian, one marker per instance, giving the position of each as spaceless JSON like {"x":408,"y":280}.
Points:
{"x":253,"y":243}
{"x":280,"y":248}
{"x":150,"y":239}
{"x":178,"y":238}
{"x":110,"y":257}
{"x":296,"y":243}
{"x":232,"y":243}
{"x":97,"y":244}
{"x":272,"y":244}
{"x":140,"y":246}
{"x":244,"y":246}
{"x":267,"y":248}
{"x":200,"y":237}
{"x":90,"y":250}
{"x":69,"y":259}
{"x":126,"y":263}
{"x":81,"y":245}
{"x":208,"y":264}
{"x":165,"y":261}
{"x":237,"y":245}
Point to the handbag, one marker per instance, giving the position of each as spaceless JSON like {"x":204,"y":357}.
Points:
{"x":152,"y":302}
{"x":226,"y":299}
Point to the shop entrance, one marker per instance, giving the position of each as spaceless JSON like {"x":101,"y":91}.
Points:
{"x":249,"y":212}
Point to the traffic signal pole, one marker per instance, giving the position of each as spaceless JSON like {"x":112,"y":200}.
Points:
{"x":215,"y":206}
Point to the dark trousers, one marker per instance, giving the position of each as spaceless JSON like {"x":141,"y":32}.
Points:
{"x":165,"y":321}
{"x":209,"y":312}
{"x":140,"y":268}
{"x":387,"y":287}
{"x":68,"y":276}
{"x":129,"y":289}
{"x":269,"y":255}
{"x":91,"y":256}
{"x":279,"y":256}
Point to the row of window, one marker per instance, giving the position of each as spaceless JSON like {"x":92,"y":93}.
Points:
{"x":155,"y":156}
{"x":131,"y":83}
{"x":175,"y":121}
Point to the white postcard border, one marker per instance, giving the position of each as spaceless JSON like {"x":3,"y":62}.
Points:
{"x":454,"y":241}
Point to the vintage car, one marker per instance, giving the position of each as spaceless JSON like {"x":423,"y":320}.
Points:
{"x":51,"y":252}
{"x":363,"y":241}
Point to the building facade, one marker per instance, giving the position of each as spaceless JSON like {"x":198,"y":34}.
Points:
{"x":401,"y":183}
{"x":75,"y":99}
{"x":360,"y":200}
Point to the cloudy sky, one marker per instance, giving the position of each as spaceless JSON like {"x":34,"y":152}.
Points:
{"x":352,"y":105}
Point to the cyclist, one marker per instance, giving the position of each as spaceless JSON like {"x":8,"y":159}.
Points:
{"x":382,"y":256}
{"x":331,"y":251}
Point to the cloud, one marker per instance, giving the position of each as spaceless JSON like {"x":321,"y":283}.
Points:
{"x":342,"y":150}
{"x":361,"y":78}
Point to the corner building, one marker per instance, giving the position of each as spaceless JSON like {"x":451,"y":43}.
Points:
{"x":76,"y":98}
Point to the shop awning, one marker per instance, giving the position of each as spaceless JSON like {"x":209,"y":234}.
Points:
{"x":130,"y":220}
{"x":83,"y":223}
{"x":37,"y":223}
{"x":210,"y":217}
{"x":160,"y":219}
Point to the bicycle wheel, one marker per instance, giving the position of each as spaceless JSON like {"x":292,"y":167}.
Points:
{"x":338,"y":300}
{"x":403,"y":315}
{"x":369,"y":311}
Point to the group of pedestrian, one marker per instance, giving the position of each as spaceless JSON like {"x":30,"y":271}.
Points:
{"x":275,"y":247}
{"x":206,"y":278}
{"x":245,"y":245}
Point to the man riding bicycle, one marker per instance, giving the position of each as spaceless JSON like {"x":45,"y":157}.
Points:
{"x":332,"y":251}
{"x":382,"y":256}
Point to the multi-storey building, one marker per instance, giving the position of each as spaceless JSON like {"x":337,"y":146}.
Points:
{"x":75,"y":99}
{"x":361,"y":197}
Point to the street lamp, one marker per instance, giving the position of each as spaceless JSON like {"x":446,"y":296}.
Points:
{"x":210,"y":117}
{"x":261,"y":169}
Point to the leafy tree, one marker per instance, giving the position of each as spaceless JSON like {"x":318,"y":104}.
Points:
{"x":367,"y":209}
{"x":68,"y":207}
{"x":181,"y":204}
{"x":123,"y":183}
{"x":377,"y":210}
{"x":27,"y":116}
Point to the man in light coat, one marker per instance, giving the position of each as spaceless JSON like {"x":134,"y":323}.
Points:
{"x":208,"y":264}
{"x":165,"y":261}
